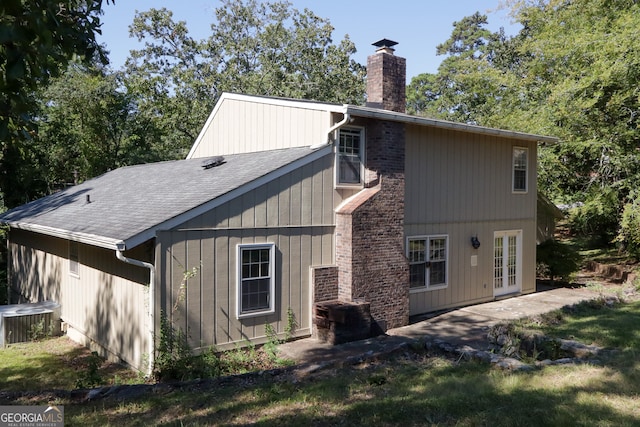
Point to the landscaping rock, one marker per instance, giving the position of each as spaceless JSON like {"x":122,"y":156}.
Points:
{"x":578,"y":349}
{"x":509,"y":363}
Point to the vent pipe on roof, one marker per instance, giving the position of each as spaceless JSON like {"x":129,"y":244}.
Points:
{"x":212,"y":162}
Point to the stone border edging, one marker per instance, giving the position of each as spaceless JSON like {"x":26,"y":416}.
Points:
{"x":581,"y":353}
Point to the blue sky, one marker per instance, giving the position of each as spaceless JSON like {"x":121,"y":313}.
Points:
{"x":417,"y":25}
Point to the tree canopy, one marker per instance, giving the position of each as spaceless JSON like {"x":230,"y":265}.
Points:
{"x":38,"y":38}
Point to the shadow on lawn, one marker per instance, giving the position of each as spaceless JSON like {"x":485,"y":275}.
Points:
{"x":56,"y":363}
{"x":38,"y":371}
{"x":407,"y":390}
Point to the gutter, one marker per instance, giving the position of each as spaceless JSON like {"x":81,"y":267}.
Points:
{"x":346,"y":119}
{"x":152,"y":275}
{"x":443,"y":124}
{"x":89,"y":239}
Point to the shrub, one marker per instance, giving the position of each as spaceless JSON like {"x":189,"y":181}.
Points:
{"x":91,"y":376}
{"x":40,"y":330}
{"x":174,"y":359}
{"x":557,"y":259}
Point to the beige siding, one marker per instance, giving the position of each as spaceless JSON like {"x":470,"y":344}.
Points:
{"x":468,"y":284}
{"x":244,"y":126}
{"x":295,"y":212}
{"x":460,"y":177}
{"x":460,"y":185}
{"x":105,"y":303}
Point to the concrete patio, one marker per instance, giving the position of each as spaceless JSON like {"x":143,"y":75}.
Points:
{"x":464,"y":326}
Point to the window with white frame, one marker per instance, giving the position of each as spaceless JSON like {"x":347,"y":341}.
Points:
{"x":520,"y":161}
{"x":428,"y":258}
{"x":73,"y":258}
{"x":349,"y":156}
{"x":256,"y":282}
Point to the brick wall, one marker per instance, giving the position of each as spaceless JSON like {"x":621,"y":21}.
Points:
{"x":370,"y":232}
{"x":325,"y":283}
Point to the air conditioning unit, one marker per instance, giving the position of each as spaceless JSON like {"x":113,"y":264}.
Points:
{"x":19,"y":322}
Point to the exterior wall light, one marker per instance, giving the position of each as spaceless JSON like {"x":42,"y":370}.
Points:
{"x":475,"y":242}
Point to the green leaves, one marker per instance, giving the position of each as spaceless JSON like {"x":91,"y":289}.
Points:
{"x":468,"y":84}
{"x":94,"y":128}
{"x":37,"y":39}
{"x":272,"y":49}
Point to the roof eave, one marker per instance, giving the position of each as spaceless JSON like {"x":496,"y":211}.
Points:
{"x":86,"y":238}
{"x":376,"y":113}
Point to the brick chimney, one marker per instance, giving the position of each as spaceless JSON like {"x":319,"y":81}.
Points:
{"x":372,"y":266}
{"x":386,"y":78}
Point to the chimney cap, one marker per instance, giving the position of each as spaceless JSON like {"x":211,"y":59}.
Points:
{"x":384,"y":43}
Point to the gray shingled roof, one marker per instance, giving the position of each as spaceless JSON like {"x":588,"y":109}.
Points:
{"x":128,"y":204}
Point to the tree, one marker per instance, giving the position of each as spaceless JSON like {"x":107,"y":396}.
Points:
{"x":272,"y":49}
{"x":91,"y":129}
{"x":468,"y":83}
{"x":422,"y":95}
{"x":172,"y":84}
{"x":255,"y":48}
{"x":37,"y":40}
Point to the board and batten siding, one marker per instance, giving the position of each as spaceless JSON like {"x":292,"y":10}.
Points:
{"x":295,"y":212}
{"x":104,"y":304}
{"x":459,"y":184}
{"x":246,"y":126}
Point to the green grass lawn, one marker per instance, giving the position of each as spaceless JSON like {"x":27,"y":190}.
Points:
{"x":56,"y":363}
{"x":414,"y":388}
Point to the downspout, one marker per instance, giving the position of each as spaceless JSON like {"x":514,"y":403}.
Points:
{"x":346,"y":119}
{"x":152,"y":275}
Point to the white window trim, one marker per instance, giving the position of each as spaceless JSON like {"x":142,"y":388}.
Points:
{"x":428,"y":287}
{"x":272,"y":270}
{"x":74,"y":272}
{"x":337,"y":183}
{"x":513,"y":171}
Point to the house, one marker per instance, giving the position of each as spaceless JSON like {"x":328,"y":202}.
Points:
{"x":286,"y":209}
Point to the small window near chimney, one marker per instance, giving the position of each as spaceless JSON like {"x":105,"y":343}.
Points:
{"x":349,"y":157}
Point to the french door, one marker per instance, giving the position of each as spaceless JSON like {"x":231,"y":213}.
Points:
{"x":507,"y":262}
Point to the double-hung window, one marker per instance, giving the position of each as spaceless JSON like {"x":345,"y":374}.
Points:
{"x":428,"y":260}
{"x":349,"y":157}
{"x":520,"y":161}
{"x":256,"y":282}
